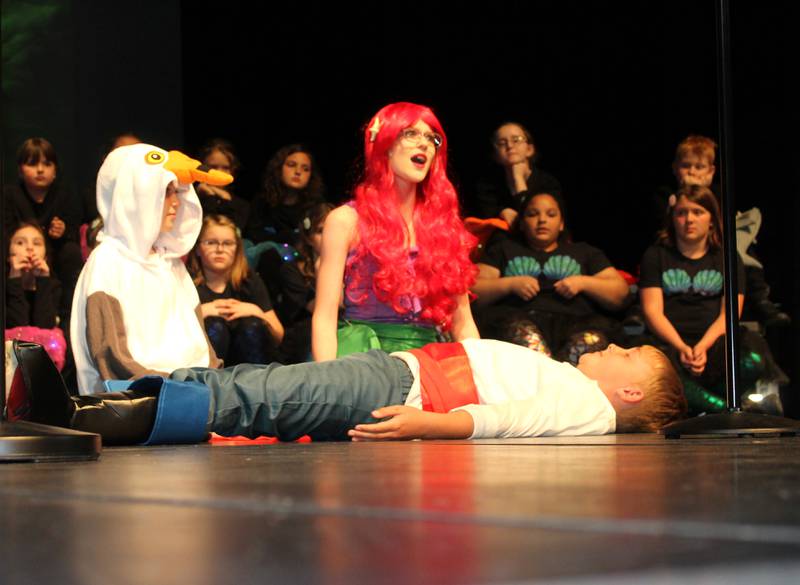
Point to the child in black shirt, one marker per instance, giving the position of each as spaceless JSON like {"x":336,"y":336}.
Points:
{"x":236,"y":307}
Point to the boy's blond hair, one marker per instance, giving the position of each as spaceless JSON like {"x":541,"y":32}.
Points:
{"x":696,"y":145}
{"x":663,"y":402}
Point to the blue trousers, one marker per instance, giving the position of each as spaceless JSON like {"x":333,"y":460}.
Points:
{"x":241,"y":341}
{"x":323,"y":400}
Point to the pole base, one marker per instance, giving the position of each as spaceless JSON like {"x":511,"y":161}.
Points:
{"x":733,"y":423}
{"x":27,"y":441}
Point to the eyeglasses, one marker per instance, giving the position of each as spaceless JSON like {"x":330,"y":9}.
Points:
{"x":503,"y":143}
{"x":224,"y":244}
{"x":414,"y":137}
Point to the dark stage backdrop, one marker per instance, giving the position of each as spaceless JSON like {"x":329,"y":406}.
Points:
{"x":79,"y":73}
{"x":608,"y":92}
{"x":607,"y":89}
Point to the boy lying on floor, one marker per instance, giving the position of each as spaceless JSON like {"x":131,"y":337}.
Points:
{"x":498,"y":390}
{"x":473,"y":389}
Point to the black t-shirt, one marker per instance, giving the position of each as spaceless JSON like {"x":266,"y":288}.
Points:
{"x":296,"y":292}
{"x":279,"y":223}
{"x":58,"y":202}
{"x":492,"y":194}
{"x":692,"y":288}
{"x":251,"y":291}
{"x":38,"y":308}
{"x":513,"y":258}
{"x":237,"y":209}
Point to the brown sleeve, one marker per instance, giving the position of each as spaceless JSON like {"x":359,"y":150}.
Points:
{"x":108,"y":340}
{"x":213,"y":360}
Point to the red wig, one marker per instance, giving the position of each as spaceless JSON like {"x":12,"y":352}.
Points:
{"x":442,"y":270}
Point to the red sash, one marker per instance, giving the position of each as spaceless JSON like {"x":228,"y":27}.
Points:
{"x":445,"y":377}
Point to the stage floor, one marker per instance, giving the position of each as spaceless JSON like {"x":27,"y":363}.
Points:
{"x":618,"y":509}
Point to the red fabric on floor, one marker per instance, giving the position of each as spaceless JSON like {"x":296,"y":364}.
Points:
{"x":240,"y":440}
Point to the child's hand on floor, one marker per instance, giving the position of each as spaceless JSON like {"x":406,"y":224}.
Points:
{"x":404,"y":422}
{"x":400,"y":423}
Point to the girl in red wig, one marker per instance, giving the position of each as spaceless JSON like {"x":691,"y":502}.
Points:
{"x":399,"y":247}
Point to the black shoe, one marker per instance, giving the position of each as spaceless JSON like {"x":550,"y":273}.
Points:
{"x":121,"y":418}
{"x":37,"y":392}
{"x":40,"y":396}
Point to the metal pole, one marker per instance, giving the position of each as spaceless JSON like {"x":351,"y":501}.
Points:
{"x":725,"y":93}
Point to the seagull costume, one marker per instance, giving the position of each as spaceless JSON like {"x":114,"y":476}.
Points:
{"x":135,"y":309}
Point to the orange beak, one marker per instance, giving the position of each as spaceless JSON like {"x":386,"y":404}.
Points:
{"x":189,"y":170}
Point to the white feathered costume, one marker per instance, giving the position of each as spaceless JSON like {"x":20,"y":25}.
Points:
{"x":135,"y":309}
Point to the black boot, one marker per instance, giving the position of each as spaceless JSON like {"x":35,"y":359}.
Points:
{"x":37,"y":392}
{"x":121,"y":418}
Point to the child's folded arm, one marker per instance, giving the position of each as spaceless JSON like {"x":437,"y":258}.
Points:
{"x":405,"y":422}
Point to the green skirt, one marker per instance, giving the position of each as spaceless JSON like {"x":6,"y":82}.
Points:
{"x":361,"y":336}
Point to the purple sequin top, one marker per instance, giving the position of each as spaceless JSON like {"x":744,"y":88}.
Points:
{"x":371,"y":309}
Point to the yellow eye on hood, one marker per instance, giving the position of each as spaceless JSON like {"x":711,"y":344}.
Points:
{"x":154,"y":158}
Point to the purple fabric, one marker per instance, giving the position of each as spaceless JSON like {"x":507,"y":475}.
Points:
{"x":372,"y":309}
{"x":51,"y":339}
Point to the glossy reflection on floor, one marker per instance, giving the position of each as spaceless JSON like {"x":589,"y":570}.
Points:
{"x":434,"y":512}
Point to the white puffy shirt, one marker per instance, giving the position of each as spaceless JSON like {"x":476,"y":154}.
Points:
{"x":523,"y":393}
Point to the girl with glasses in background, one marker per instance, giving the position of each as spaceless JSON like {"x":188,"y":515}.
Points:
{"x":501,"y":193}
{"x":235,"y":305}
